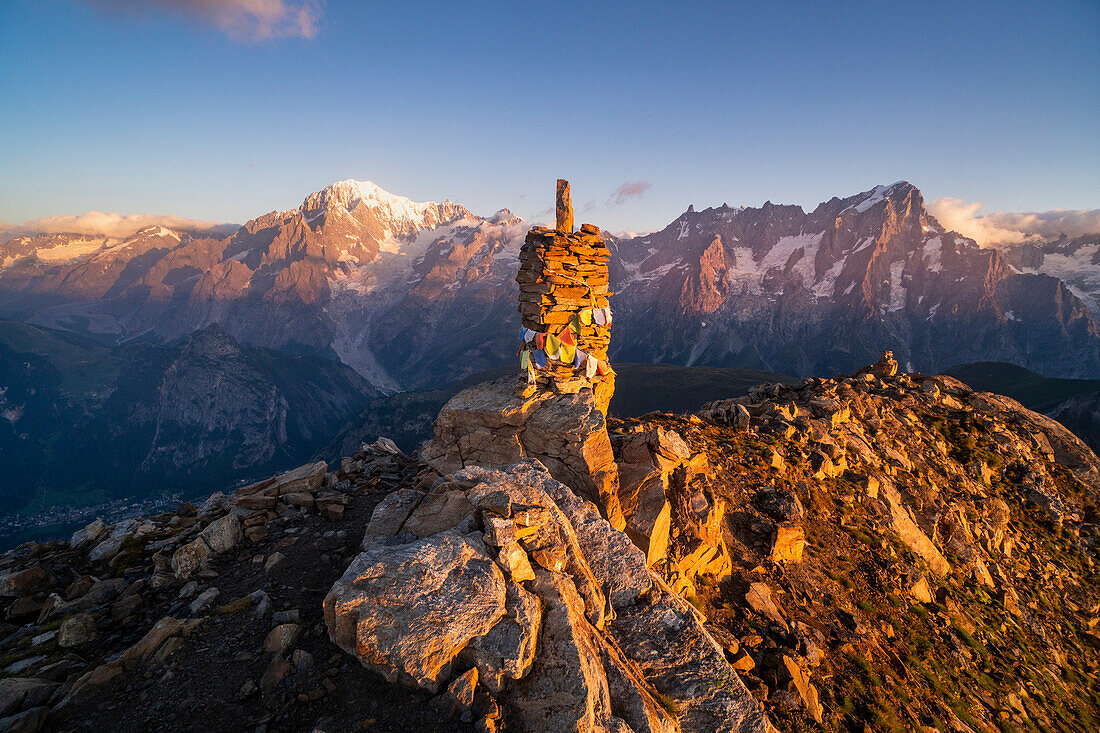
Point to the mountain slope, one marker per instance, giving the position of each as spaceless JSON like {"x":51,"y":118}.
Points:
{"x":86,"y":423}
{"x":879,"y":551}
{"x":1073,"y":402}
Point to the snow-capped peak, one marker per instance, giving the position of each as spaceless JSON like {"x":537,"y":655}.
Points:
{"x":351,"y":193}
{"x":867,"y":199}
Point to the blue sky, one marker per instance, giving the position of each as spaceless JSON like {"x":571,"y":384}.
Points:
{"x":193,"y":110}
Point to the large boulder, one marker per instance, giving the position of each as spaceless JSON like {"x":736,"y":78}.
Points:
{"x":498,"y":423}
{"x":408,"y":610}
{"x":581,"y":636}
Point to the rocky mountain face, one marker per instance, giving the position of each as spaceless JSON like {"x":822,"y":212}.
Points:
{"x":881,"y":551}
{"x":421,"y":295}
{"x":822,"y":292}
{"x":1073,"y":260}
{"x":85,"y":422}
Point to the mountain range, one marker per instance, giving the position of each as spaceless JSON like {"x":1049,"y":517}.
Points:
{"x":175,"y":359}
{"x":421,"y":295}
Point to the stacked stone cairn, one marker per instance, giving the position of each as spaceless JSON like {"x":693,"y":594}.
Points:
{"x":563,"y":301}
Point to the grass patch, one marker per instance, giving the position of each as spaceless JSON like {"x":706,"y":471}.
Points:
{"x":667,"y":704}
{"x":237,"y":605}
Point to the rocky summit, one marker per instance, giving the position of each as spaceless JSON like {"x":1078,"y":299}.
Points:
{"x":885,"y":551}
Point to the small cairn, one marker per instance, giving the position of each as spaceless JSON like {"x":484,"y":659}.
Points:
{"x":563,"y":301}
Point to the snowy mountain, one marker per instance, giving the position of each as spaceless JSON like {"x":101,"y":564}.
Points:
{"x":1073,"y":260}
{"x":821,"y":292}
{"x":416,"y":295}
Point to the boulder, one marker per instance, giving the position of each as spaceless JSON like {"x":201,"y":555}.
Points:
{"x":800,"y":681}
{"x":77,"y":630}
{"x":17,"y":693}
{"x":567,"y":687}
{"x":508,"y":650}
{"x":408,"y":610}
{"x":90,"y":533}
{"x":788,"y":542}
{"x":28,"y":721}
{"x":460,"y":693}
{"x":281,"y":638}
{"x":302,"y":479}
{"x":190,"y":557}
{"x":759,"y":598}
{"x":642,"y":495}
{"x":438,"y":513}
{"x":24,"y":582}
{"x":391,"y":513}
{"x":495,"y":425}
{"x":110,"y":546}
{"x":222,"y":535}
{"x":164,"y":629}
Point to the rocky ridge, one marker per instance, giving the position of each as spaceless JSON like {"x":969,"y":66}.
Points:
{"x":882,"y":551}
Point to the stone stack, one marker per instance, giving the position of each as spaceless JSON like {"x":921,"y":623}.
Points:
{"x":562,"y":278}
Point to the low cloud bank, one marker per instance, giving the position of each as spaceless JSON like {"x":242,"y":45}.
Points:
{"x":100,"y":224}
{"x":1006,"y":227}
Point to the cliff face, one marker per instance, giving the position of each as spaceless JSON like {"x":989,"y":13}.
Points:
{"x":825,"y":291}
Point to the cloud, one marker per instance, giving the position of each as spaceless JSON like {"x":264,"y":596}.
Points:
{"x":100,"y":224}
{"x":1006,"y":227}
{"x":240,"y":20}
{"x":626,"y":192}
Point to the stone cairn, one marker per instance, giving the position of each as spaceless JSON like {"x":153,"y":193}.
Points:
{"x":563,"y":299}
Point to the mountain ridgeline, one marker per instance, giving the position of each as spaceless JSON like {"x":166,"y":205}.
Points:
{"x":421,"y":295}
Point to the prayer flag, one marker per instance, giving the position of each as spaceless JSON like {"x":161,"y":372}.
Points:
{"x":586,"y":317}
{"x":566,"y":336}
{"x":539,"y":357}
{"x":552,"y":346}
{"x":540,"y":340}
{"x":598,"y":317}
{"x":591,"y":367}
{"x":524,"y":359}
{"x":567,"y":353}
{"x":578,"y":360}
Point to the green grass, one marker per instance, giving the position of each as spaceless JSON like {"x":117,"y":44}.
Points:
{"x":667,"y":704}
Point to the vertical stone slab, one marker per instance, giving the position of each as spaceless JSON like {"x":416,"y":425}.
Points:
{"x":564,"y":208}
